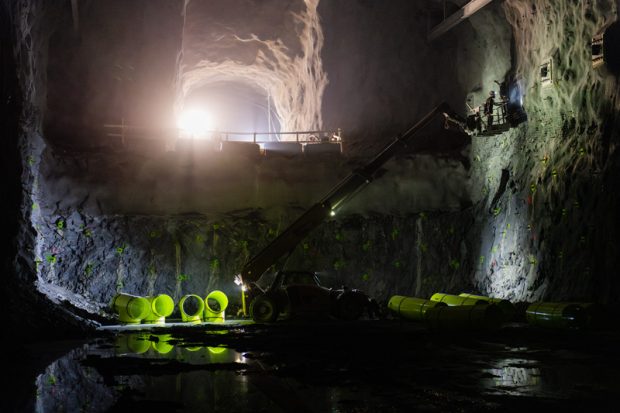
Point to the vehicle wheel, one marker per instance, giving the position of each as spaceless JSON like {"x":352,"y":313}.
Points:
{"x":349,"y":307}
{"x":263,"y":309}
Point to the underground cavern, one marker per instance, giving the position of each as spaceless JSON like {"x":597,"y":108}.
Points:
{"x":310,"y":205}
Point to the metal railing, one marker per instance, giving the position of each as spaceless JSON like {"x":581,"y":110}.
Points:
{"x":125,"y":132}
{"x":499,"y":113}
{"x":499,"y":116}
{"x":306,"y":136}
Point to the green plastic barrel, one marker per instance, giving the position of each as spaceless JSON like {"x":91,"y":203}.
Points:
{"x":161,"y":306}
{"x":556,"y":315}
{"x":411,"y":308}
{"x":506,"y":306}
{"x":161,"y":343}
{"x":132,"y":343}
{"x":131,"y":309}
{"x":192,"y":308}
{"x":215,"y":306}
{"x":596,"y":316}
{"x":464,"y":317}
{"x":456,"y":300}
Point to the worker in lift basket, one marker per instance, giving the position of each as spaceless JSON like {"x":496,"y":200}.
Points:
{"x":488,"y":108}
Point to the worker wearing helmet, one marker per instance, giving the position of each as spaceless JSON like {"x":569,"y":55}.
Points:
{"x":488,"y":108}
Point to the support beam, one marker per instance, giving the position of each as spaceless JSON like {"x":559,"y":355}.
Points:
{"x":464,"y":13}
{"x":76,"y":15}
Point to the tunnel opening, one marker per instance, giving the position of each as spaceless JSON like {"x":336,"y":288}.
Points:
{"x":236,"y":107}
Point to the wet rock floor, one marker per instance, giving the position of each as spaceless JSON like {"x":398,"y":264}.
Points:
{"x":365,"y":366}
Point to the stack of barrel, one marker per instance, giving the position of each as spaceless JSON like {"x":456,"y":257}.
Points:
{"x":450,"y":312}
{"x":475,"y":312}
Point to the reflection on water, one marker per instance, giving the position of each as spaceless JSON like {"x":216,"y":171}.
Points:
{"x":142,"y":370}
{"x":512,"y":376}
{"x":70,"y":384}
{"x":67,"y":386}
{"x":165,"y":346}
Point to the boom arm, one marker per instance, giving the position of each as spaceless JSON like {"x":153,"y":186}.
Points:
{"x":319,"y":212}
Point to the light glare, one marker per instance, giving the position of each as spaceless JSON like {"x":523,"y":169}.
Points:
{"x":195,"y":122}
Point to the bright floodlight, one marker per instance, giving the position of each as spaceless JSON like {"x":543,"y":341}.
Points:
{"x":195,"y":122}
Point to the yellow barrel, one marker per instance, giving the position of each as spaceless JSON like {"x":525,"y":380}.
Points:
{"x":556,"y":315}
{"x":411,"y":308}
{"x":131,"y":309}
{"x":506,"y":306}
{"x":192,"y":308}
{"x":132,"y":343}
{"x":215,"y":306}
{"x":161,"y":343}
{"x":464,"y":317}
{"x":596,"y":316}
{"x":456,"y":300}
{"x":161,"y":306}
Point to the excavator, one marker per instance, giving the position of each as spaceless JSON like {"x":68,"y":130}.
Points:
{"x":299,"y":293}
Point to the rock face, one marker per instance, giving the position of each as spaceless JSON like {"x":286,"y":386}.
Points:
{"x":546,"y":191}
{"x":524,"y":215}
{"x":90,"y":259}
{"x":277,"y":53}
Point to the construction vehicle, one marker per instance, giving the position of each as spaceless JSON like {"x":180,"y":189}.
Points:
{"x":296,"y":293}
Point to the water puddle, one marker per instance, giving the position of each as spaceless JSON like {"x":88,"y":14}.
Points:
{"x":512,"y":376}
{"x":288,"y":369}
{"x":140,"y":369}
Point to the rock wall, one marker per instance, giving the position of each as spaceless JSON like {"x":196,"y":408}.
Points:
{"x":117,"y":66}
{"x":546,"y":193}
{"x":533,"y":218}
{"x":142,"y":220}
{"x":11,"y":166}
{"x":29,"y":312}
{"x":89,"y":259}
